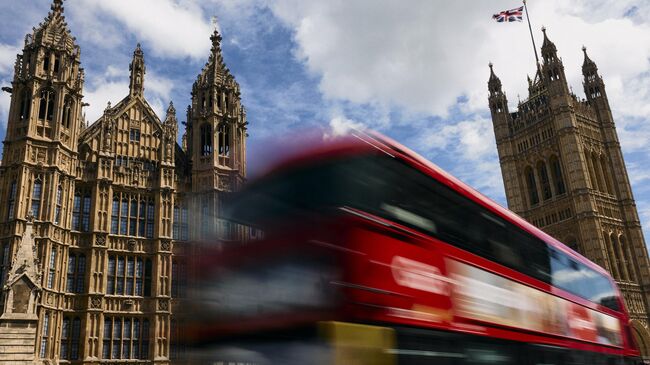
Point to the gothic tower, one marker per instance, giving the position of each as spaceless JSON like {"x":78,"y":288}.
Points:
{"x":216,"y":142}
{"x":93,"y":219}
{"x":563,"y":171}
{"x":37,"y":185}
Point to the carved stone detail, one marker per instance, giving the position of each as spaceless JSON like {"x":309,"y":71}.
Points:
{"x":96,"y":302}
{"x":165,"y":245}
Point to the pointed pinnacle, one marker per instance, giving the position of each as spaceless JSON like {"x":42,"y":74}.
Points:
{"x":57,"y":6}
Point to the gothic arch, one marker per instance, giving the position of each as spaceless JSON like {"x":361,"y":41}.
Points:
{"x":556,"y":173}
{"x":609,"y":182}
{"x":598,"y":170}
{"x":533,"y":197}
{"x":25,"y":105}
{"x":206,"y":139}
{"x":627,"y":255}
{"x":544,"y":180}
{"x":68,"y":110}
{"x":46,"y":105}
{"x":622,"y":262}
{"x":609,"y":248}
{"x":590,"y":168}
{"x":223,"y":139}
{"x":642,"y":337}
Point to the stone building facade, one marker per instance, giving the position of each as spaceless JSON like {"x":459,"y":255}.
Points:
{"x":563,"y":171}
{"x":93,"y":219}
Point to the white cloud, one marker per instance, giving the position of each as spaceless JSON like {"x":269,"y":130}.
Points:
{"x":113,"y":86}
{"x":340,"y":126}
{"x":469,"y":150}
{"x":421,"y":58}
{"x":7,"y":58}
{"x":170,"y":28}
{"x":5,"y":101}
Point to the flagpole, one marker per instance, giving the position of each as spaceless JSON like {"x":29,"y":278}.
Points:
{"x":531,"y":35}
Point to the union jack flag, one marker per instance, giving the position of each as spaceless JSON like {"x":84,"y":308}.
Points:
{"x":512,"y":15}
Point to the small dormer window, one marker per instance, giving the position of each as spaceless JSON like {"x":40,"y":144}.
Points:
{"x":134,"y":136}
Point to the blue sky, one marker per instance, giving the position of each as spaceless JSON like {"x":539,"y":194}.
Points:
{"x":416,"y":70}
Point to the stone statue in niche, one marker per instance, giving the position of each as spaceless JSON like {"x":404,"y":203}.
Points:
{"x":108,"y":136}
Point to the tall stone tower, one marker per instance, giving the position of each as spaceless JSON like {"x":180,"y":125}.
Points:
{"x":564,"y":172}
{"x":216,"y":142}
{"x":36,"y":183}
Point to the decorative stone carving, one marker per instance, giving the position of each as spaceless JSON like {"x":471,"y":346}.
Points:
{"x":163,"y":304}
{"x":96,"y":302}
{"x":100,"y":240}
{"x":165,"y":245}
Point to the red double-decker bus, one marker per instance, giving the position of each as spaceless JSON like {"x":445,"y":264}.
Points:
{"x":373,"y":255}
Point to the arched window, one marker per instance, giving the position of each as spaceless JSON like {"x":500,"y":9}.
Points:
{"x":59,"y":200}
{"x":558,"y":179}
{"x":590,"y":168}
{"x":124,"y":214}
{"x":150,"y":219}
{"x":133,"y":217}
{"x":598,"y":170}
{"x":627,"y":253}
{"x":611,"y":252}
{"x":532,"y":186}
{"x":176,"y":225}
{"x":46,"y":61}
{"x":56,"y":64}
{"x":141,"y":224}
{"x":36,"y":198}
{"x":224,"y":140}
{"x":609,"y":183}
{"x":45,"y":335}
{"x":66,"y":118}
{"x":543,"y":177}
{"x":206,"y":139}
{"x":76,"y":273}
{"x":52,"y":269}
{"x":114,"y":215}
{"x":25,"y":105}
{"x":147,"y":278}
{"x":11,"y":202}
{"x":622,"y":260}
{"x":46,"y":105}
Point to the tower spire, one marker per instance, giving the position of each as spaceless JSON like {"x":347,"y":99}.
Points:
{"x":57,"y":6}
{"x":137,"y":72}
{"x":549,"y":51}
{"x":494,"y":83}
{"x":588,"y":66}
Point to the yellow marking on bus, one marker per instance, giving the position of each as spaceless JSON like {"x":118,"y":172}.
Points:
{"x":357,"y":344}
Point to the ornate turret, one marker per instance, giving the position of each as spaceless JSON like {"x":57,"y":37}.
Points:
{"x":549,"y":51}
{"x":170,"y":129}
{"x":494,"y":83}
{"x":593,"y":83}
{"x":215,"y":135}
{"x":137,"y":69}
{"x":553,"y":71}
{"x":498,"y":106}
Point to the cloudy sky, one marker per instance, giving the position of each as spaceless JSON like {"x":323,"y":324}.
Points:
{"x":415,"y":70}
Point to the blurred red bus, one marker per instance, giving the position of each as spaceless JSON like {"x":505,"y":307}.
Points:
{"x":373,"y":255}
